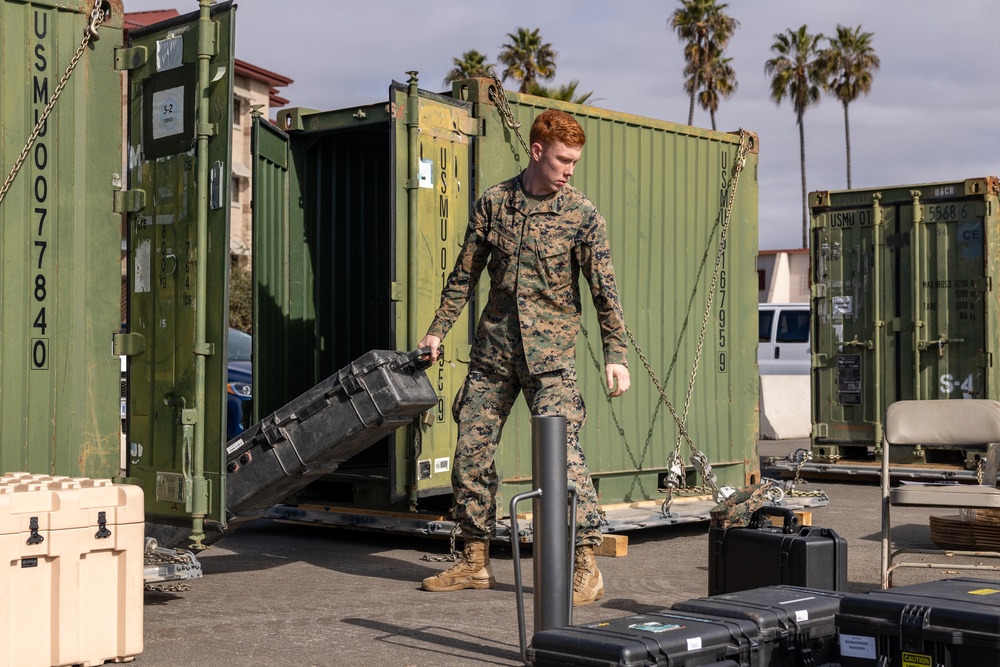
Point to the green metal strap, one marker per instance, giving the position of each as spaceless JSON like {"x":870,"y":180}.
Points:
{"x":130,"y":58}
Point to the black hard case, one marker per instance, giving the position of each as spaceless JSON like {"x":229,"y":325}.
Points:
{"x":665,"y":637}
{"x":796,"y":625}
{"x":315,"y":433}
{"x":761,"y":555}
{"x":947,"y":623}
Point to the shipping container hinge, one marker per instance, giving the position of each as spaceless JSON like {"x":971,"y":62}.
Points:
{"x":127,"y":344}
{"x":217,"y":177}
{"x":471,"y":126}
{"x":394,"y":292}
{"x":34,"y":538}
{"x":206,"y":129}
{"x":819,"y":360}
{"x":129,"y":201}
{"x":986,"y":360}
{"x":102,"y":526}
{"x":818,"y":290}
{"x":131,"y":58}
{"x":821,"y":430}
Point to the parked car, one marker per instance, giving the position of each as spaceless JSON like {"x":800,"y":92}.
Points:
{"x":239,"y":387}
{"x":783,"y":346}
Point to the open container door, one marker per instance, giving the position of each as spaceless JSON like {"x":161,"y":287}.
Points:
{"x":434,"y":191}
{"x":163,"y":289}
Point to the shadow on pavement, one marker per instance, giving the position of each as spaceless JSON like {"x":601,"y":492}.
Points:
{"x":482,"y":649}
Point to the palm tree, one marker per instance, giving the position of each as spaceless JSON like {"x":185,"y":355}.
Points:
{"x":704,"y":27}
{"x":472,"y":65}
{"x":850,"y":64}
{"x":527,"y":58}
{"x":796,"y":73}
{"x":717,"y":80}
{"x":565,"y":93}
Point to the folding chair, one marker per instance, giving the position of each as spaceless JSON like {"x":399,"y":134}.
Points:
{"x":944,"y":423}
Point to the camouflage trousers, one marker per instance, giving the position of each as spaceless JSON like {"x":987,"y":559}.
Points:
{"x":481,"y":408}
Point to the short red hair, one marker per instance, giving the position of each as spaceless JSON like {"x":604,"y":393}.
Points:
{"x":553,"y":126}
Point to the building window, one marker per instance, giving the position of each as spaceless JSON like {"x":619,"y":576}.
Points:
{"x":235,"y":187}
{"x":237,"y":112}
{"x":761,"y":280}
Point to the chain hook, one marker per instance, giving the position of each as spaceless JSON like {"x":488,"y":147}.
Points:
{"x":96,"y":19}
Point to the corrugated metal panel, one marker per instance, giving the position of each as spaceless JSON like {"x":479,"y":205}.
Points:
{"x":60,"y":240}
{"x":270,"y":267}
{"x":662,"y":188}
{"x":902,"y":279}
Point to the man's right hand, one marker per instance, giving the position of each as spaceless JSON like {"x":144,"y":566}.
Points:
{"x":432,"y":342}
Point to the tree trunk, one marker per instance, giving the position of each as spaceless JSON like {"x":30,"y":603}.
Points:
{"x":693,"y":93}
{"x":712,"y":113}
{"x":802,"y":157}
{"x":847,"y":137}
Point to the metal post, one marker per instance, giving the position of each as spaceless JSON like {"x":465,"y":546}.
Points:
{"x":553,"y":541}
{"x":199,"y":491}
{"x":551,"y":527}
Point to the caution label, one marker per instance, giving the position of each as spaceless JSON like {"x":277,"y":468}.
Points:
{"x":916,"y":660}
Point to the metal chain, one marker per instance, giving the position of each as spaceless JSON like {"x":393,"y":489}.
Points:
{"x":89,"y":33}
{"x":452,"y":554}
{"x":791,"y":489}
{"x":168,"y":587}
{"x":499,"y":98}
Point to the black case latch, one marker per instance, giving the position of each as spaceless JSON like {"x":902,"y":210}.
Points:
{"x":102,"y":523}
{"x":34,"y":538}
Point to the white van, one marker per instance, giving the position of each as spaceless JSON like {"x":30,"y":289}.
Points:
{"x":783,"y":347}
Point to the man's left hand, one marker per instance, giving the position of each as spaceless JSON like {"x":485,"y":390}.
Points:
{"x":618,"y":379}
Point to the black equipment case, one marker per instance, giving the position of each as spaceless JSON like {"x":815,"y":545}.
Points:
{"x":315,"y":433}
{"x":661,"y":638}
{"x":947,"y":623}
{"x":796,"y":625}
{"x":761,"y":555}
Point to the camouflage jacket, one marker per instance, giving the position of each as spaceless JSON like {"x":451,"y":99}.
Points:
{"x":534,"y":260}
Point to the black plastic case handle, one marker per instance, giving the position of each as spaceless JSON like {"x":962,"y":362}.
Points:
{"x":418,"y":360}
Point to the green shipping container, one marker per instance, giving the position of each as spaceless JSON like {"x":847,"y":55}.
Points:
{"x":902,"y":281}
{"x":359,"y":214}
{"x":60,"y":240}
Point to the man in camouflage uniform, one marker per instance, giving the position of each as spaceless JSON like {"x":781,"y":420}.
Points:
{"x":534,"y":234}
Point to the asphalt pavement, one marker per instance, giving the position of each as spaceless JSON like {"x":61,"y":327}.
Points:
{"x":283,"y":595}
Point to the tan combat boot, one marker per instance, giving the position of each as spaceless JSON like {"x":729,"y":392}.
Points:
{"x":588,"y":584}
{"x":471,"y":570}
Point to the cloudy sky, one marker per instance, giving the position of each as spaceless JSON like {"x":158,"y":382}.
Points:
{"x":932,"y":115}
